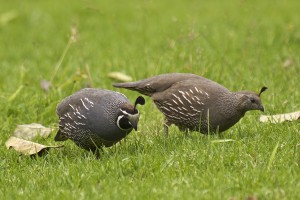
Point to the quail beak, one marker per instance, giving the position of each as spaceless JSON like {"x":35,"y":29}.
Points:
{"x":134,"y":125}
{"x":134,"y":120}
{"x":261,"y":108}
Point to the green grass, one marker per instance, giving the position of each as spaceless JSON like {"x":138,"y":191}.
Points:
{"x":240,"y":44}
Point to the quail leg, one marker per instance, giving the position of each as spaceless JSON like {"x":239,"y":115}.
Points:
{"x":97,"y":152}
{"x":166,"y":127}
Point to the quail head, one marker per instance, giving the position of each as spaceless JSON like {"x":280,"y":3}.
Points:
{"x":195,"y":103}
{"x":94,"y":118}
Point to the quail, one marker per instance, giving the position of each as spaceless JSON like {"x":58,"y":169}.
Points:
{"x":94,"y":118}
{"x":195,"y":103}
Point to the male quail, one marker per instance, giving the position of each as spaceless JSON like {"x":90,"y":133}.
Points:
{"x":94,"y":118}
{"x":195,"y":103}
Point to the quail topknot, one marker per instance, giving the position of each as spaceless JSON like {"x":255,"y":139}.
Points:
{"x":94,"y":118}
{"x":195,"y":103}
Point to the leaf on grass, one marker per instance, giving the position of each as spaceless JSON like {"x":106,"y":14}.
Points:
{"x":280,"y":118}
{"x":29,"y":131}
{"x":119,"y":76}
{"x":27,"y":147}
{"x":7,"y":17}
{"x":222,"y":141}
{"x":45,"y":85}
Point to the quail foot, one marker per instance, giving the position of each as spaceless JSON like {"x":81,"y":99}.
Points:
{"x":93,"y":118}
{"x":195,"y":103}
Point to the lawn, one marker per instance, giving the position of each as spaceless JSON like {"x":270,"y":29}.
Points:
{"x":240,"y":44}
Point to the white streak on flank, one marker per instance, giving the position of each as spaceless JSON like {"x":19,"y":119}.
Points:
{"x":182,"y":113}
{"x":178,"y":98}
{"x":181,"y":92}
{"x":191,"y":91}
{"x":179,"y":108}
{"x":75,"y":122}
{"x":69,"y":116}
{"x":71,"y":106}
{"x":73,"y":127}
{"x":174,"y":117}
{"x":197,"y":98}
{"x":163,"y":107}
{"x":65,"y":128}
{"x":174,"y":95}
{"x":207,"y":94}
{"x":196,"y":89}
{"x":175,"y":101}
{"x":81,"y":115}
{"x":81,"y":123}
{"x":61,"y":118}
{"x":90,"y":102}
{"x":201,"y":92}
{"x":84,"y":104}
{"x":180,"y":101}
{"x":174,"y":109}
{"x":193,"y":98}
{"x":184,"y":108}
{"x":194,"y":109}
{"x":60,"y":125}
{"x":169,"y":104}
{"x":200,"y":103}
{"x":187,"y":99}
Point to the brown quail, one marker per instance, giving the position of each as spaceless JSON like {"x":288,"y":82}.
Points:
{"x":195,"y":103}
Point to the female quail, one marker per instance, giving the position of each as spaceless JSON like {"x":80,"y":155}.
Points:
{"x":195,"y":103}
{"x":94,"y":118}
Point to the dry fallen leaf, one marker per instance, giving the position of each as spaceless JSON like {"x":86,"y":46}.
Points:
{"x":222,"y":141}
{"x":29,"y":131}
{"x":119,"y":76}
{"x":280,"y":118}
{"x":27,"y":147}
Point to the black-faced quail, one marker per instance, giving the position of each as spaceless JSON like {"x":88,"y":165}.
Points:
{"x":94,"y":118}
{"x":195,"y":103}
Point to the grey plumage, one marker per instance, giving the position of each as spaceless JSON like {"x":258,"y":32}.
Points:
{"x":94,"y":118}
{"x":195,"y":103}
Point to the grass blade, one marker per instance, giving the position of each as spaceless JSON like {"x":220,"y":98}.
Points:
{"x":272,"y":157}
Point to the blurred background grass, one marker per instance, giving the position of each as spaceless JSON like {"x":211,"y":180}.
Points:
{"x":240,"y":44}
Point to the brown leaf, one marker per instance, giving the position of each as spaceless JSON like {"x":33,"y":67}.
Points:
{"x":280,"y":118}
{"x":27,"y":147}
{"x":29,"y":131}
{"x":119,"y":76}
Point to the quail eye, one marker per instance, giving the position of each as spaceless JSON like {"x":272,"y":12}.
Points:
{"x":252,"y":100}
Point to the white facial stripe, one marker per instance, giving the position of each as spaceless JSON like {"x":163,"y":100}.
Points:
{"x":126,"y":113}
{"x":118,"y":122}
